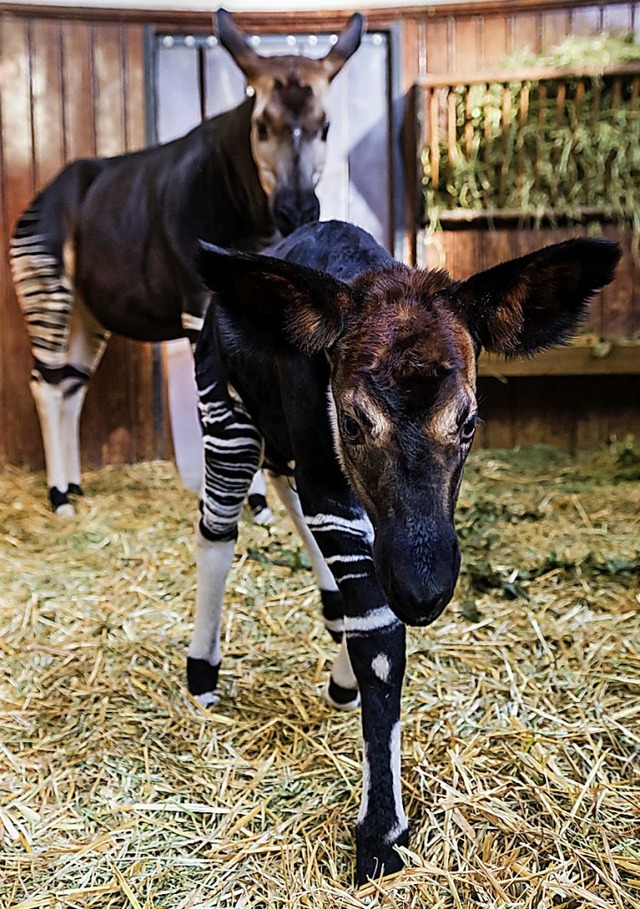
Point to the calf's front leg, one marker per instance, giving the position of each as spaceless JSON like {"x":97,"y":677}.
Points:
{"x":376,"y":642}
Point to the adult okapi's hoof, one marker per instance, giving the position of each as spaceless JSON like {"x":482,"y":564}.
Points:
{"x":60,"y":504}
{"x":377,"y":856}
{"x":75,"y":489}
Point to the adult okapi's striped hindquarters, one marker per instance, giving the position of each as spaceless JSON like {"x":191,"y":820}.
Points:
{"x":66,"y":343}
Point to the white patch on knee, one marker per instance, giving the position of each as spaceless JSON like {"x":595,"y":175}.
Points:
{"x":381,"y":667}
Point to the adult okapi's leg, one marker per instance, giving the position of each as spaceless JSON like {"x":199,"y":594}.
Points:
{"x":45,"y":294}
{"x":332,"y":605}
{"x":87,"y":343}
{"x":376,"y":646}
{"x":232,"y":454}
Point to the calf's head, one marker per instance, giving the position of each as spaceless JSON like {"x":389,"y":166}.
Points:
{"x":402,"y":346}
{"x":289,"y":125}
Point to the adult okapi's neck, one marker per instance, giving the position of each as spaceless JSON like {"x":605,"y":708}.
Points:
{"x":233,"y":181}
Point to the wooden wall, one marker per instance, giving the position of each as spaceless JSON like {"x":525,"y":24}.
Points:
{"x":68,"y":89}
{"x":72,"y":84}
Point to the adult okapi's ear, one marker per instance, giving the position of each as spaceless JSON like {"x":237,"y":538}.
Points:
{"x":234,"y":40}
{"x":347,"y":44}
{"x":537,"y":301}
{"x":278,"y":300}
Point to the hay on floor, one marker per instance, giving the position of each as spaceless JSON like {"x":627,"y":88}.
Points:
{"x":521,"y":744}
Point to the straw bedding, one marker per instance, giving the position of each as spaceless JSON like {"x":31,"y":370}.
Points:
{"x":521,"y":743}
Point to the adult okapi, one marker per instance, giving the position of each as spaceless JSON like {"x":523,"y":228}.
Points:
{"x":355,"y":375}
{"x":108,"y":245}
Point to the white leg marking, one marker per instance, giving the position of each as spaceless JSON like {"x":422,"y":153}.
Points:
{"x":375,"y":619}
{"x":87,"y":343}
{"x":289,"y":498}
{"x":259,"y":488}
{"x":48,"y":400}
{"x":394,"y":754}
{"x":366,"y":779}
{"x":381,"y":666}
{"x":343,"y":675}
{"x":213,"y":561}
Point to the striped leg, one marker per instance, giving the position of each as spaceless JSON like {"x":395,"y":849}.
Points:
{"x":375,"y":641}
{"x":232,"y":454}
{"x":332,"y":605}
{"x":87,"y":344}
{"x":46,"y":296}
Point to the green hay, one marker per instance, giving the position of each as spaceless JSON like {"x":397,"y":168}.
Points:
{"x":559,"y":157}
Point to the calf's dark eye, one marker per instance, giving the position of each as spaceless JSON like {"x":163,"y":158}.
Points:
{"x":325,"y":132}
{"x":468,"y":429}
{"x":350,"y":429}
{"x":263,"y":132}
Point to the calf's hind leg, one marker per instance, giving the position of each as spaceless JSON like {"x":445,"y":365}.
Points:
{"x":232,"y":454}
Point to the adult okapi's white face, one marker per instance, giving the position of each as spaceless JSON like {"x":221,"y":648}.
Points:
{"x":289,"y":125}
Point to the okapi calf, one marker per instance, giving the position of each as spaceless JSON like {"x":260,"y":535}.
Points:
{"x":352,"y":377}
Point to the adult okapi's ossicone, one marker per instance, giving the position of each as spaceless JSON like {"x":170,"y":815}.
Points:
{"x":108,"y":245}
{"x":356,"y":376}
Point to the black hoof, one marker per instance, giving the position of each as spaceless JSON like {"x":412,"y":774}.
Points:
{"x":75,"y":489}
{"x":59,"y":501}
{"x":376,"y":857}
{"x":202,"y":678}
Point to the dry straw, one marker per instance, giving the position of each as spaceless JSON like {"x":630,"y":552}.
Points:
{"x":521,"y":707}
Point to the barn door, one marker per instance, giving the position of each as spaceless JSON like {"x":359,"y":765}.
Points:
{"x":196,"y":78}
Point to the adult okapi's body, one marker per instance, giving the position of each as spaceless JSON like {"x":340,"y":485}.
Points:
{"x":354,"y":377}
{"x":108,"y":246}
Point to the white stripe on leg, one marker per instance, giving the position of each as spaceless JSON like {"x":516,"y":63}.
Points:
{"x":289,"y":498}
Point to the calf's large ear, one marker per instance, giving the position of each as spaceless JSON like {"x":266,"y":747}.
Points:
{"x":277,"y":300}
{"x":538,"y":301}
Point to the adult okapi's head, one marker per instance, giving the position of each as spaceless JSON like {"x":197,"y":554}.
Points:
{"x":402,"y":345}
{"x":289,"y":124}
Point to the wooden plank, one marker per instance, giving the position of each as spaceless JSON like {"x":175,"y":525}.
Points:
{"x":46,"y":98}
{"x":525,"y":74}
{"x":109,"y":90}
{"x":577,"y":360}
{"x":78,"y":91}
{"x":134,"y":87}
{"x":525,"y":30}
{"x":494,"y":41}
{"x":467,"y":46}
{"x":587,"y":21}
{"x":618,"y":316}
{"x":554,"y":28}
{"x":19,"y":427}
{"x":618,"y":18}
{"x":437,"y":46}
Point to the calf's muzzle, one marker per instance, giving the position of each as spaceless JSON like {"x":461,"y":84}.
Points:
{"x":418,"y":570}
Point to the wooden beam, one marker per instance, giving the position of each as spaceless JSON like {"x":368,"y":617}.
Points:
{"x":577,"y":360}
